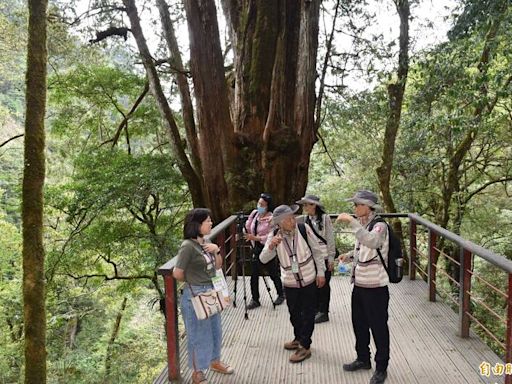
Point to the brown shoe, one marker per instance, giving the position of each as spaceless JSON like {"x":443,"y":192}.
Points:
{"x":219,"y":366}
{"x":199,"y":378}
{"x":300,"y":355}
{"x":292,"y":345}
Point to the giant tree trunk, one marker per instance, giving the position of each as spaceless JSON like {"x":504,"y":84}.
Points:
{"x":274,"y":105}
{"x":216,"y":148}
{"x":262,"y":138}
{"x":34,"y":313}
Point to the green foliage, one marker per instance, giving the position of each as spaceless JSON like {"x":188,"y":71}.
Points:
{"x":113,"y":213}
{"x":11,"y":318}
{"x":123,"y":206}
{"x":458,"y":92}
{"x":356,"y":143}
{"x":13,"y":30}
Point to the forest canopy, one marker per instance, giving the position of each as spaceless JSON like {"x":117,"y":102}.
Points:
{"x":151,"y":110}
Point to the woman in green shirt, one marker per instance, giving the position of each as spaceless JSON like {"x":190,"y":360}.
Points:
{"x":196,"y":265}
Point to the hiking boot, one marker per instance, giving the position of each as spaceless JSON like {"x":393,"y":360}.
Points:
{"x":253,"y":304}
{"x":300,"y":354}
{"x":292,"y":345}
{"x":378,"y":377}
{"x":279,"y":300}
{"x":219,"y":366}
{"x":356,"y":365}
{"x":321,"y":317}
{"x":198,"y":377}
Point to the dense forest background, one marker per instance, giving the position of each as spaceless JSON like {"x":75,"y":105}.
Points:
{"x":116,"y":191}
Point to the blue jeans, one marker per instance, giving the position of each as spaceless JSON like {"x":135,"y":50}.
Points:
{"x":204,"y":337}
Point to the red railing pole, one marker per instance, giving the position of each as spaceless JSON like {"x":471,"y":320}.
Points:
{"x":412,"y":249}
{"x":171,"y":327}
{"x":508,"y":354}
{"x":464,"y":292}
{"x":432,"y":238}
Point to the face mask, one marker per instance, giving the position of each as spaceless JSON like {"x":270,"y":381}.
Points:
{"x":261,"y":210}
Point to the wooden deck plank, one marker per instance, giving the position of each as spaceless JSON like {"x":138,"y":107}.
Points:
{"x":425,"y":347}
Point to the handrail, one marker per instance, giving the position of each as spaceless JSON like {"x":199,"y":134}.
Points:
{"x":224,"y":234}
{"x":498,"y":260}
{"x":467,"y":251}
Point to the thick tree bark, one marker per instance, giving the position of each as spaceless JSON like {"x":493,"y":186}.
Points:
{"x":263,"y":137}
{"x":34,"y":310}
{"x":274,"y":93}
{"x":216,"y":130}
{"x":305,"y":99}
{"x":192,"y":178}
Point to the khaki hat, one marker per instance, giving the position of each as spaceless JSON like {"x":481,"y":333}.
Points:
{"x":366,"y":198}
{"x":282,"y":212}
{"x":312,"y":199}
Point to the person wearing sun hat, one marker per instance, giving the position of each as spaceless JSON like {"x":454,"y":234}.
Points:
{"x":370,"y":295}
{"x":321,"y":224}
{"x":303,"y":265}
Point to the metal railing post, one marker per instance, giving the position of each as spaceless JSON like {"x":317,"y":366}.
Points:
{"x":234,"y":272}
{"x":171,"y":327}
{"x":412,"y":249}
{"x":432,"y":238}
{"x":221,"y":242}
{"x":465,"y":292}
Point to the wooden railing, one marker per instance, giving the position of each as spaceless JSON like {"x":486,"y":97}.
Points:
{"x":224,"y":235}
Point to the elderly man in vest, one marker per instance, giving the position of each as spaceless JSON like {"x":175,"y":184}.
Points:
{"x":370,"y":296}
{"x":302,"y":260}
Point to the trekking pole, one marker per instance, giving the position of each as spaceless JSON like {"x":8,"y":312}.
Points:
{"x":235,"y":265}
{"x":246,"y":315}
{"x":268,"y":290}
{"x":241,"y":247}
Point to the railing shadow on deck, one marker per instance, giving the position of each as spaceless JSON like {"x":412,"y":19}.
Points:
{"x":224,"y":235}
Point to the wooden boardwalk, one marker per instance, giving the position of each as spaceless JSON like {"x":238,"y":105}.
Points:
{"x":425,"y":347}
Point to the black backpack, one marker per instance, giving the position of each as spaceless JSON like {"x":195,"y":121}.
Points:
{"x":308,"y":222}
{"x":302,"y":230}
{"x":394,"y":269}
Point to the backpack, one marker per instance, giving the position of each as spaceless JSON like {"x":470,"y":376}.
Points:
{"x":394,"y":269}
{"x":308,"y":222}
{"x":302,"y":230}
